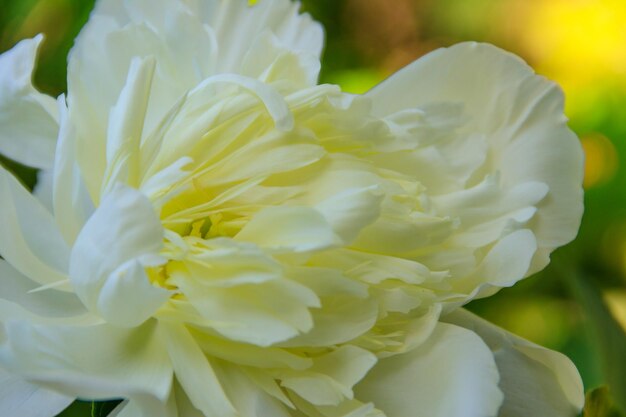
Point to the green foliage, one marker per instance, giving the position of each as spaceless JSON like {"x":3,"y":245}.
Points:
{"x":598,"y":403}
{"x":89,"y":409}
{"x":608,"y":336}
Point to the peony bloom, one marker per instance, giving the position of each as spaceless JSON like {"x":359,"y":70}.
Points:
{"x":215,"y":234}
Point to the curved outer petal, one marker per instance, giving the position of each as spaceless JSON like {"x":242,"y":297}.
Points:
{"x":536,"y":381}
{"x":194,"y":372}
{"x":19,"y":398}
{"x":98,"y":361}
{"x":70,"y":200}
{"x":28,"y":119}
{"x":249,"y":399}
{"x":518,"y":113}
{"x":106,"y":268}
{"x":49,"y":303}
{"x":30,"y":240}
{"x":452,"y":374}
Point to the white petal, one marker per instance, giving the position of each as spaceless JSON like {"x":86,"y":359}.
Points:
{"x":71,"y":201}
{"x":126,"y":124}
{"x":331,"y":378}
{"x":19,"y":398}
{"x":260,"y":313}
{"x":127,"y":298}
{"x":268,"y":61}
{"x":17,"y":288}
{"x":518,"y":113}
{"x":124,"y":230}
{"x":505,"y":263}
{"x":299,"y":229}
{"x":98,"y":362}
{"x":271,"y":99}
{"x":126,"y":409}
{"x":452,"y":374}
{"x":190,"y":41}
{"x":30,"y":240}
{"x":44,"y":188}
{"x":237,"y":27}
{"x":351,"y":210}
{"x":535,"y":381}
{"x":194,"y":372}
{"x":248,"y":398}
{"x":28,"y":120}
{"x":340,"y":297}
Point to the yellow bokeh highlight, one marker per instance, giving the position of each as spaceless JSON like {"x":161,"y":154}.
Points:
{"x":601,"y":160}
{"x":616,"y":300}
{"x":578,"y":41}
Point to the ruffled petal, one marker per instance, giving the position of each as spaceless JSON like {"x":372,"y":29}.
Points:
{"x":71,"y":201}
{"x":331,"y":378}
{"x":518,"y":114}
{"x":30,"y":240}
{"x":190,"y":41}
{"x":243,"y":293}
{"x":98,"y":361}
{"x":19,"y":398}
{"x":536,"y":381}
{"x":47,"y":303}
{"x":237,"y":26}
{"x":121,"y":238}
{"x":28,"y":119}
{"x":249,"y":399}
{"x":194,"y":372}
{"x":452,"y":374}
{"x":298,"y":229}
{"x":126,"y":123}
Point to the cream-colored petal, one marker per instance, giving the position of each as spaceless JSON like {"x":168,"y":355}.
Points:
{"x":340,"y":296}
{"x":452,"y":374}
{"x":126,"y":123}
{"x":258,"y":313}
{"x":71,"y":201}
{"x":190,"y":41}
{"x":30,"y":240}
{"x":270,"y":62}
{"x":518,"y":114}
{"x":248,"y":398}
{"x":237,"y":26}
{"x":250,"y":355}
{"x":49,"y":303}
{"x":299,"y":229}
{"x":118,"y":300}
{"x":535,"y":381}
{"x":194,"y":371}
{"x":503,"y":265}
{"x":98,"y":361}
{"x":20,"y":398}
{"x":351,"y":210}
{"x":44,"y":188}
{"x":28,"y":118}
{"x":331,"y":378}
{"x":106,"y":268}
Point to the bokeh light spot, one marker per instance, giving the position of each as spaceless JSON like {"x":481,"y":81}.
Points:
{"x":601,"y":160}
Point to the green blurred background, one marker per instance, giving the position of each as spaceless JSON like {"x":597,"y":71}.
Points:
{"x":578,"y":304}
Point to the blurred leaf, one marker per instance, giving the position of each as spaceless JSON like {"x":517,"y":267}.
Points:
{"x":89,"y":409}
{"x":357,"y":81}
{"x":598,"y":403}
{"x":27,"y":175}
{"x":607,"y":334}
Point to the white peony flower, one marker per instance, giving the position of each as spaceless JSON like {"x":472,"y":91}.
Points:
{"x":228,"y":238}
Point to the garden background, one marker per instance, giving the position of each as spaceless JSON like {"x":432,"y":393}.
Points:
{"x":578,"y":304}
